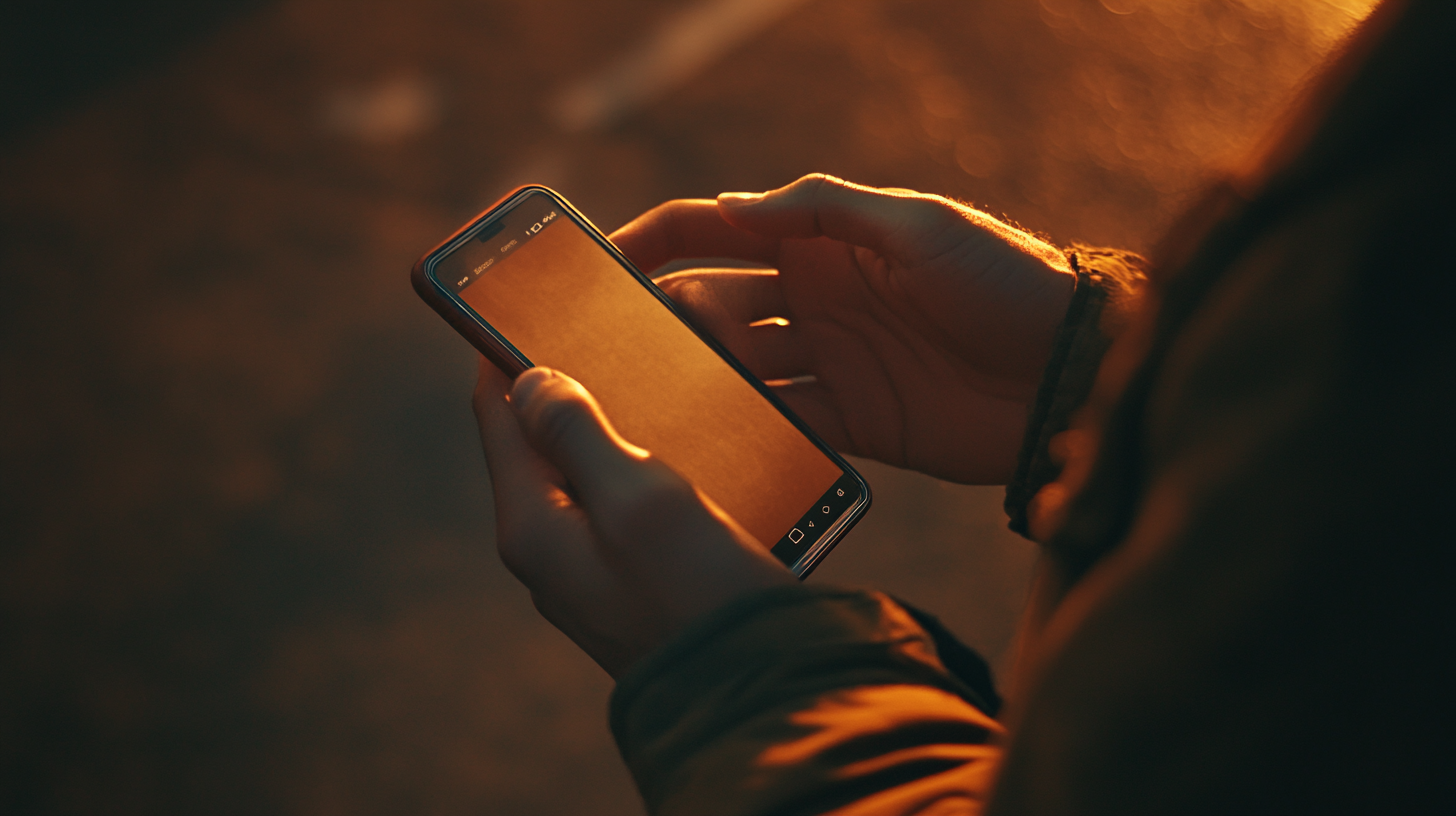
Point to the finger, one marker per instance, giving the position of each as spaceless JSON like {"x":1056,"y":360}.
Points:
{"x":897,"y":223}
{"x":815,"y":404}
{"x":771,"y":350}
{"x":745,"y":295}
{"x":520,"y":478}
{"x":689,"y":228}
{"x":891,"y":222}
{"x":564,"y":424}
{"x":539,"y":532}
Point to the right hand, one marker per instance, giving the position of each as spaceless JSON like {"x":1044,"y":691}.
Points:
{"x":925,"y":324}
{"x":619,"y":551}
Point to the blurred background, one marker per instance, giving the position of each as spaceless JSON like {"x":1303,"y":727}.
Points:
{"x":246,"y":557}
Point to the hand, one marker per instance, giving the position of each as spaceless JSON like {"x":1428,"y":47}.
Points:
{"x":917,"y":328}
{"x":619,"y":552}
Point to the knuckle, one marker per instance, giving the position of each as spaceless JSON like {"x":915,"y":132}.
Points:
{"x":657,"y":504}
{"x":672,"y":216}
{"x":675,"y":284}
{"x":932,"y":210}
{"x":932,"y":216}
{"x":665,"y":211}
{"x":689,"y":291}
{"x":815,"y":185}
{"x":527,"y":546}
{"x":480,"y":399}
{"x":512,"y":547}
{"x":664,"y":216}
{"x":555,"y":421}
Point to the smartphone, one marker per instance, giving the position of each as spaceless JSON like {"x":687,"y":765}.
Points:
{"x":532,"y":282}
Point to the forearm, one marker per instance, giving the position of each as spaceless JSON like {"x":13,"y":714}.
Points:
{"x":803,"y":700}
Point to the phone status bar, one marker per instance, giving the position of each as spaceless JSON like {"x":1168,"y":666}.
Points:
{"x":494,"y":241}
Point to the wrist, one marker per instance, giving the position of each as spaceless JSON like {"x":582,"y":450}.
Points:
{"x":1105,"y":295}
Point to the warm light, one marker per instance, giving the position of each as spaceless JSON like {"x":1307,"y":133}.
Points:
{"x":568,"y":305}
{"x":837,"y":718}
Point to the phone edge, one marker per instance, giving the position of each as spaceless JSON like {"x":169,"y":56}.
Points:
{"x":504,"y":358}
{"x":434,"y":295}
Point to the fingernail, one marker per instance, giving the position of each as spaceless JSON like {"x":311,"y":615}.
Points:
{"x":739,"y":198}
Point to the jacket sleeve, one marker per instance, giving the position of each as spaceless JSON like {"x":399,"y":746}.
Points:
{"x":804,"y":700}
{"x":1271,"y":632}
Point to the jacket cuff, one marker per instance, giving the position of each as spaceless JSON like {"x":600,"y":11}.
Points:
{"x":762,"y":651}
{"x":1108,"y":284}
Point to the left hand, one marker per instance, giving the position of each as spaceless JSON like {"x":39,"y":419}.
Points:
{"x":912,"y":329}
{"x":619,"y":551}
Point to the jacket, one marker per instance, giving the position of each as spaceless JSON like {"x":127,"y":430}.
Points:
{"x":1245,"y":602}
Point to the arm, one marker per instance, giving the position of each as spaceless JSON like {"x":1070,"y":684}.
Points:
{"x":803,"y":700}
{"x":820,"y":700}
{"x":741,"y":690}
{"x":912,"y":329}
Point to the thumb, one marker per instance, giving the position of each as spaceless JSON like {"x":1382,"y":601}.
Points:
{"x":893,"y":222}
{"x":565,"y":424}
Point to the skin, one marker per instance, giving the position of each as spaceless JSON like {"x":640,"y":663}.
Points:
{"x":914,"y":330}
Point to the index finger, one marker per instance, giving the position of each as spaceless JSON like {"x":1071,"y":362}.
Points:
{"x":690,"y":228}
{"x":891,"y":221}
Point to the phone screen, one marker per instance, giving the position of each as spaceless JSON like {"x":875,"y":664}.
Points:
{"x":559,"y":298}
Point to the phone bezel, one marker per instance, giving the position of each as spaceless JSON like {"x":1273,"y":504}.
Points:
{"x":499,"y":350}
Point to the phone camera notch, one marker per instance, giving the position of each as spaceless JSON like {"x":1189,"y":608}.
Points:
{"x":490,"y":231}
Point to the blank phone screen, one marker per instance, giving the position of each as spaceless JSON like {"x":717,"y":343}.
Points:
{"x":563,"y":301}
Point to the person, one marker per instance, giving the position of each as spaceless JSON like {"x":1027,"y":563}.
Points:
{"x":1237,"y":460}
